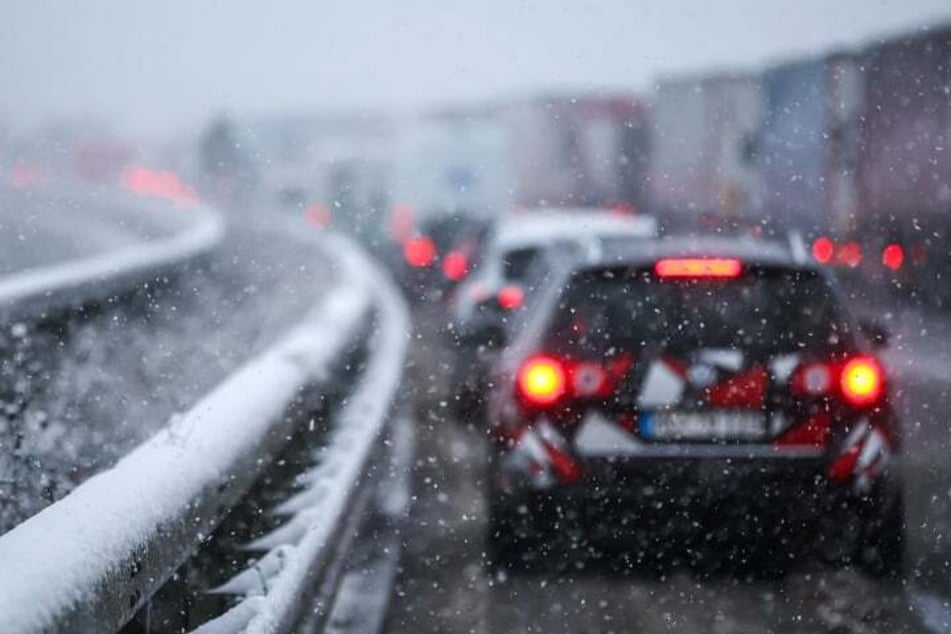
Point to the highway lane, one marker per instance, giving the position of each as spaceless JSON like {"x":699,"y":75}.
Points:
{"x":443,"y":584}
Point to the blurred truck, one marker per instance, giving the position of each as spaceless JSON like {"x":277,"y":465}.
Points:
{"x":703,"y":148}
{"x":904,"y":167}
{"x":807,"y":145}
{"x":580,"y":151}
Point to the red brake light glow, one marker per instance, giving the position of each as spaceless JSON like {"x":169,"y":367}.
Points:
{"x":861,"y":381}
{"x":893,"y":256}
{"x":823,"y":249}
{"x":511,"y":297}
{"x":698,"y":268}
{"x":419,"y":252}
{"x":541,"y":381}
{"x":455,"y":266}
{"x":850,"y":254}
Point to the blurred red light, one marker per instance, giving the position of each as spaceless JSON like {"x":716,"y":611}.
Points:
{"x":511,"y":297}
{"x":850,"y":254}
{"x":419,"y":252}
{"x":318,"y":215}
{"x":455,"y":266}
{"x":698,"y":267}
{"x":623,"y":209}
{"x":822,"y":249}
{"x":542,"y":381}
{"x":861,"y":381}
{"x":893,"y":256}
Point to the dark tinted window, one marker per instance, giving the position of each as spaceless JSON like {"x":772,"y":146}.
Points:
{"x":764,"y":312}
{"x":518,"y":265}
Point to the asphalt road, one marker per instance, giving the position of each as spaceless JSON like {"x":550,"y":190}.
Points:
{"x":443,"y":584}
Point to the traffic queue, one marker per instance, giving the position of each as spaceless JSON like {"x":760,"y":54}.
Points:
{"x":639,"y":389}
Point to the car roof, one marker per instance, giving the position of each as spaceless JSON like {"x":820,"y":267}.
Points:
{"x":550,"y":226}
{"x":623,"y":252}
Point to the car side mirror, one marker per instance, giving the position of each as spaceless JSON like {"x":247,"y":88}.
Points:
{"x":876,"y":332}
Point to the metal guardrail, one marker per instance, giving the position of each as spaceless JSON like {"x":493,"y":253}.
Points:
{"x":191,"y":234}
{"x":91,"y":560}
{"x":301,"y":568}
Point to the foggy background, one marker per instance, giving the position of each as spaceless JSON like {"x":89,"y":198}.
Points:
{"x":158,"y":67}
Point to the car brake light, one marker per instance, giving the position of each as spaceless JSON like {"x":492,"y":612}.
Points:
{"x":511,"y":297}
{"x":861,"y":381}
{"x":850,"y":254}
{"x":455,"y":266}
{"x":893,"y":256}
{"x":541,"y":381}
{"x":823,"y":249}
{"x":698,"y":267}
{"x":419,"y":251}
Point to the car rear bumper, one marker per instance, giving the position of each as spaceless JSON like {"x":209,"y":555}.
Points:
{"x":617,"y":499}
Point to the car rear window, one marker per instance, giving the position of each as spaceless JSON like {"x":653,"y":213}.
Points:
{"x":765,"y":311}
{"x":518,"y":265}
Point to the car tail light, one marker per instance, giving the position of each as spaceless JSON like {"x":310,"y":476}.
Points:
{"x":823,"y":249}
{"x":455,"y":266}
{"x":541,"y":381}
{"x":511,"y":297}
{"x":850,"y":254}
{"x":893,"y":256}
{"x":861,"y":381}
{"x":681,"y":268}
{"x":419,"y":251}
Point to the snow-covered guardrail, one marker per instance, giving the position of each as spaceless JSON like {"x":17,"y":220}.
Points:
{"x":91,"y":560}
{"x":298,"y":565}
{"x":186,"y":234}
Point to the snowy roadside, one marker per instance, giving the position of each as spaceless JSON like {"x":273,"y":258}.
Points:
{"x":66,"y":566}
{"x":78,"y":395}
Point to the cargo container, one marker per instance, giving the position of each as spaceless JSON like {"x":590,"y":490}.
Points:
{"x":579,"y":151}
{"x":792,"y":145}
{"x":904,"y":167}
{"x":454,"y":161}
{"x":704,"y":147}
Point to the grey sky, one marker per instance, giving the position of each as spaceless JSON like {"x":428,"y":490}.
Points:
{"x":162,"y":64}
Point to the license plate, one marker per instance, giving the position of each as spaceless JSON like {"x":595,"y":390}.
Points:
{"x":702,"y":426}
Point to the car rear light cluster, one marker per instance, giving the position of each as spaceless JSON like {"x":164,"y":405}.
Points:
{"x":860,"y":381}
{"x":544,"y":380}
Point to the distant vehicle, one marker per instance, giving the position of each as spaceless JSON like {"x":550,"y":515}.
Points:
{"x":439,"y":255}
{"x":903,"y":167}
{"x":709,"y":390}
{"x":522,"y":251}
